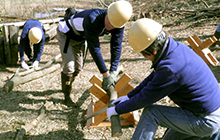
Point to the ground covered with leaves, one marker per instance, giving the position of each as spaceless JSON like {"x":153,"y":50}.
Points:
{"x":22,"y":105}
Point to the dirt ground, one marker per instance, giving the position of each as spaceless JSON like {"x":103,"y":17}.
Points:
{"x":22,"y":105}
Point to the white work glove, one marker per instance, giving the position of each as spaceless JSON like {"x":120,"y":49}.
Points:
{"x":111,"y":111}
{"x":120,"y":99}
{"x":35,"y":64}
{"x":24,"y":65}
{"x":114,"y":75}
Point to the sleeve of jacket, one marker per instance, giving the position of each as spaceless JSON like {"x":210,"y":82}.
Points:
{"x":24,"y":42}
{"x":38,"y":49}
{"x":116,"y":47}
{"x":92,"y":38}
{"x":163,"y":83}
{"x":141,"y":85}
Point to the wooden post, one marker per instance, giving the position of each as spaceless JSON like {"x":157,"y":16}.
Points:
{"x":1,"y":49}
{"x":6,"y":48}
{"x":13,"y":38}
{"x":10,"y":47}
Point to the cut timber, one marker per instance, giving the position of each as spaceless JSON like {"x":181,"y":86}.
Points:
{"x":48,"y":64}
{"x":17,"y":80}
{"x":6,"y":47}
{"x":9,"y":48}
{"x":122,"y":87}
{"x":52,"y":32}
{"x":31,"y":74}
{"x":202,"y":49}
{"x":27,"y":127}
{"x":45,"y":21}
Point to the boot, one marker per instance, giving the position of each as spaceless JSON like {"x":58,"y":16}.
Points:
{"x":66,"y":89}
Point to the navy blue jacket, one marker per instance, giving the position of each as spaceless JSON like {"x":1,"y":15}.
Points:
{"x":25,"y":43}
{"x":218,"y":28}
{"x":93,"y":28}
{"x":181,"y":75}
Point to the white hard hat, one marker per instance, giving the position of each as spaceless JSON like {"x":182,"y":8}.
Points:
{"x":35,"y":35}
{"x":119,"y":13}
{"x":143,"y":33}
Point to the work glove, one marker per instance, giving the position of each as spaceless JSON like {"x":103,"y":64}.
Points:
{"x":24,"y":65}
{"x":120,"y":99}
{"x":111,"y":111}
{"x":35,"y":64}
{"x":113,"y":74}
{"x":107,"y":82}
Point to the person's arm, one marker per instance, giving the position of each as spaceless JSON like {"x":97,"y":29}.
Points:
{"x":163,"y":83}
{"x":116,"y":47}
{"x":141,"y":85}
{"x":38,"y":49}
{"x":24,"y":42}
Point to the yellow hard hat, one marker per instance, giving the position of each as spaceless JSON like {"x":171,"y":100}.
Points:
{"x":119,"y":13}
{"x":35,"y":35}
{"x":143,"y":33}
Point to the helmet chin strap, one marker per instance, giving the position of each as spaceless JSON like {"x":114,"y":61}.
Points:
{"x":161,"y":42}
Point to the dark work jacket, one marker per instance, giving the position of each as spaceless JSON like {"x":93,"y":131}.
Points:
{"x":25,"y":42}
{"x":92,"y":27}
{"x":181,"y":75}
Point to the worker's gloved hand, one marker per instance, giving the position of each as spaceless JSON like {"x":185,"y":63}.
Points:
{"x":120,"y":99}
{"x":111,"y":111}
{"x":35,"y":64}
{"x":107,"y":82}
{"x":24,"y":65}
{"x":113,"y":74}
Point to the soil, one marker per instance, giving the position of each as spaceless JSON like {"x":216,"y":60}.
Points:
{"x":22,"y":105}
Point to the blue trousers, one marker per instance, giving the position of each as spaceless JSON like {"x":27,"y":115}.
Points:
{"x":181,"y":124}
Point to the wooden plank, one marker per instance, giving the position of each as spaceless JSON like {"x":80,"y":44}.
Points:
{"x":126,"y":90}
{"x":13,"y":37}
{"x":208,"y":43}
{"x":197,"y":40}
{"x":122,"y":82}
{"x":101,"y":117}
{"x":124,"y":123}
{"x":100,"y":93}
{"x":96,"y":80}
{"x":213,"y":61}
{"x":7,"y":52}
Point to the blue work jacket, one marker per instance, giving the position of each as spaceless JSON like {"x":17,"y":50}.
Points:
{"x":181,"y":75}
{"x":25,"y":42}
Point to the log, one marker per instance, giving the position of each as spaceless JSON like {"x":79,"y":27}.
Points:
{"x":51,"y":33}
{"x":48,"y":64}
{"x":1,"y":49}
{"x":31,"y":75}
{"x":6,"y":47}
{"x":20,"y":24}
{"x":115,"y":121}
{"x":27,"y":127}
{"x":13,"y":37}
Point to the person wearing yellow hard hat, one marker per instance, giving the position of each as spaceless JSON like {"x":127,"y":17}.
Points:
{"x":178,"y":73}
{"x":32,"y":35}
{"x":87,"y":26}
